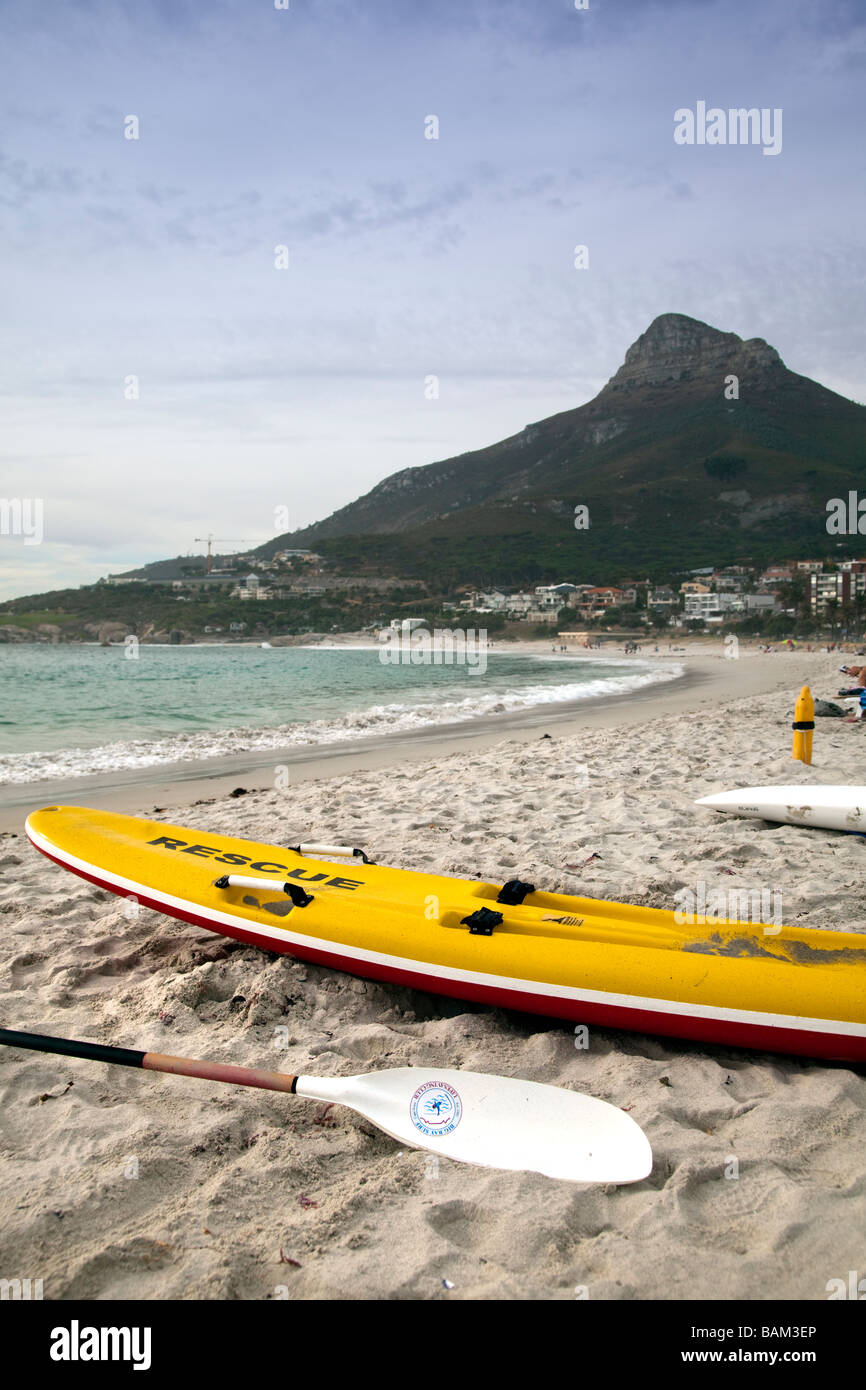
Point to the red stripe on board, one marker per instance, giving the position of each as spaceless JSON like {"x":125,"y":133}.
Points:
{"x":769,"y":1038}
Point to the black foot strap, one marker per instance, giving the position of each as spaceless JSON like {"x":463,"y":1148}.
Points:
{"x":512,"y":893}
{"x":297,"y":894}
{"x":482,"y":922}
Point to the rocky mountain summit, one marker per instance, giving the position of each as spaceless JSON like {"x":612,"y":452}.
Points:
{"x":675,"y":348}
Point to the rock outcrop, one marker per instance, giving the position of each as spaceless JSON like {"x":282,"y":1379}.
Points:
{"x":676,"y":348}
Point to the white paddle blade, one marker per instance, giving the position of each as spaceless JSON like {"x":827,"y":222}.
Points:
{"x":495,"y":1121}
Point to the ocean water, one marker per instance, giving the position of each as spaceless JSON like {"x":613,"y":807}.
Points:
{"x":66,"y":711}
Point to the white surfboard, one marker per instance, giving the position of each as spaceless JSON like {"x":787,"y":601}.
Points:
{"x":830,"y":808}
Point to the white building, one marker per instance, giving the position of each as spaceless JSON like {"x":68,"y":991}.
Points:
{"x":709,"y":607}
{"x":490,"y":601}
{"x":250,"y":588}
{"x":714,"y":607}
{"x":520,"y":604}
{"x":562,"y":590}
{"x":662,"y":597}
{"x":838,"y":586}
{"x":756,"y":603}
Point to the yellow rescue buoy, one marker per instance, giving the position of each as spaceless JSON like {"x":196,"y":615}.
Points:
{"x":804,"y":723}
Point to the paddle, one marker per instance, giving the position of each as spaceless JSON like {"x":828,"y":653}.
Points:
{"x":494,"y":1121}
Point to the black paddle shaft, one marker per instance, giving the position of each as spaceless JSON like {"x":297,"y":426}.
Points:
{"x":68,"y":1047}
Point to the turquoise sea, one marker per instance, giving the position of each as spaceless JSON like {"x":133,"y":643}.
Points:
{"x":69,"y":710}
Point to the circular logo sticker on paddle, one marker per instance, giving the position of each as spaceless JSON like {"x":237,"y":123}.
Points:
{"x":436,"y":1108}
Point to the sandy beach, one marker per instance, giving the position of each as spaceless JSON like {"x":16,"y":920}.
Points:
{"x":122,"y":1185}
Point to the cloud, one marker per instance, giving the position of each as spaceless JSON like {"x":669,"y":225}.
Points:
{"x":408,"y":256}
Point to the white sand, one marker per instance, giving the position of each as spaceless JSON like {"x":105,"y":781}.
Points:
{"x":225,"y":1175}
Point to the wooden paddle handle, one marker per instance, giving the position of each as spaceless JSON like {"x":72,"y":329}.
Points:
{"x":219,"y":1071}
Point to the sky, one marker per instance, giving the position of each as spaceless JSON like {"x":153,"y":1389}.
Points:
{"x":165,"y":374}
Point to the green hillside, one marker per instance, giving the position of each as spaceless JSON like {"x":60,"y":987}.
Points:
{"x":674,"y":474}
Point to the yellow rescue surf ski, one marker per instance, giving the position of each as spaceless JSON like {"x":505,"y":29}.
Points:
{"x":784,"y":989}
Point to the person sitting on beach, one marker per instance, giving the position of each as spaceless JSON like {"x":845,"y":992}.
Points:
{"x":860,"y":711}
{"x":857,"y":674}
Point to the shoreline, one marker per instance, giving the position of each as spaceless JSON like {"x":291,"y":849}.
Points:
{"x":704,"y":678}
{"x":604,"y":809}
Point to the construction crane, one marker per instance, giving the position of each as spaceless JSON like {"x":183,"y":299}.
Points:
{"x":226,"y":540}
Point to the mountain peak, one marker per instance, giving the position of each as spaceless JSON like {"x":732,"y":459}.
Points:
{"x":637,"y":453}
{"x":678,"y":348}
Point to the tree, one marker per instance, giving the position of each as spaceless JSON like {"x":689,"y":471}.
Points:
{"x":725,"y":466}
